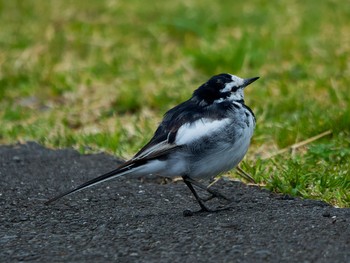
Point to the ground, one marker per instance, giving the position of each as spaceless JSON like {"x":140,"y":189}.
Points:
{"x":133,"y":220}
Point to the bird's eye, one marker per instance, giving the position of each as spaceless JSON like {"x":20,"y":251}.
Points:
{"x":234,"y":89}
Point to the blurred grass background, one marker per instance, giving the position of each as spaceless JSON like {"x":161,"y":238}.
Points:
{"x":98,"y":75}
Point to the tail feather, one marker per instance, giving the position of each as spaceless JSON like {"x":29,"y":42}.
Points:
{"x":107,"y":176}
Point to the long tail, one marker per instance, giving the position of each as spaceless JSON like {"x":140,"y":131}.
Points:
{"x":107,"y":176}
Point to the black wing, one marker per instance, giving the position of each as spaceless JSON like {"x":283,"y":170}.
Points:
{"x":186,"y":112}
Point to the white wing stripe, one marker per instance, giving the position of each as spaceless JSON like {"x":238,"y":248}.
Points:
{"x":188,"y":133}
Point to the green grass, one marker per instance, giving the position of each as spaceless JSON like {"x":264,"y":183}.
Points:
{"x":98,"y":75}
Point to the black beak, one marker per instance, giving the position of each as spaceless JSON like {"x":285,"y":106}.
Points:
{"x":249,"y":81}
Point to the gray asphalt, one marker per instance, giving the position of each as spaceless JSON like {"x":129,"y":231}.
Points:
{"x":133,"y":220}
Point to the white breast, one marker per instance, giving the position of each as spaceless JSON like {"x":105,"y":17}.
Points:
{"x":216,"y":146}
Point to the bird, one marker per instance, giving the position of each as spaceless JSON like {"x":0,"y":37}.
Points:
{"x":199,"y":139}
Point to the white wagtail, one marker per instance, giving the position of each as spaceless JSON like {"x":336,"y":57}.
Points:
{"x":198,"y":139}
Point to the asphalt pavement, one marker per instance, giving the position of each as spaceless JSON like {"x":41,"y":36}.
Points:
{"x":141,"y":219}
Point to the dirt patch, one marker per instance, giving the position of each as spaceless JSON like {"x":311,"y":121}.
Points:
{"x":128,"y":220}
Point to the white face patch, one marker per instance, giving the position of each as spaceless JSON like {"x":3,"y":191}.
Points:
{"x":236,"y":82}
{"x":188,"y":133}
{"x":234,"y":96}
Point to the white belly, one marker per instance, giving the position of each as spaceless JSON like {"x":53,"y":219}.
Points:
{"x":225,"y":154}
{"x":221,"y":160}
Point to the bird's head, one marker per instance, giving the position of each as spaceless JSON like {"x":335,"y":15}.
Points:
{"x":222,"y":87}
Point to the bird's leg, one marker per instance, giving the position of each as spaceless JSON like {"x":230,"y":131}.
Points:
{"x":188,"y":182}
{"x":214,"y":193}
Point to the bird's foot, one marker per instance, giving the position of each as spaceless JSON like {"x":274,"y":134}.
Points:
{"x":215,"y":194}
{"x":188,"y":212}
